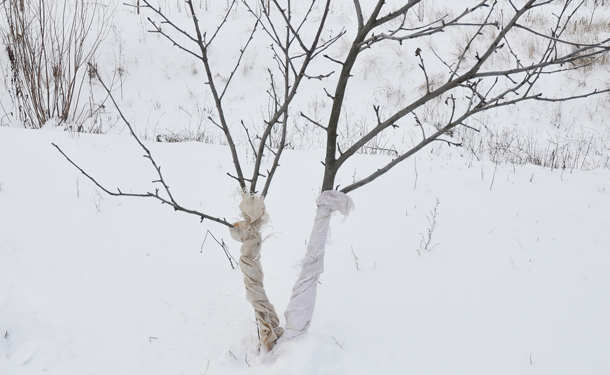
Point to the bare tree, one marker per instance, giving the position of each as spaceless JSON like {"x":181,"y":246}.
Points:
{"x":293,"y":54}
{"x":471,"y":86}
{"x":470,"y":83}
{"x":49,"y":45}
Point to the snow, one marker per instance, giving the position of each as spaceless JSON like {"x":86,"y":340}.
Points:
{"x":517,"y":283}
{"x":99,"y":285}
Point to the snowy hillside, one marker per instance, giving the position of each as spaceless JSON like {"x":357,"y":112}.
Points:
{"x":514,"y":279}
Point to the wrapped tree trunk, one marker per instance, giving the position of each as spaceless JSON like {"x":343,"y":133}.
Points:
{"x":248,"y":231}
{"x":302,"y":302}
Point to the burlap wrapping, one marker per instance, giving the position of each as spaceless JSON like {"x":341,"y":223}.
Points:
{"x":248,"y":231}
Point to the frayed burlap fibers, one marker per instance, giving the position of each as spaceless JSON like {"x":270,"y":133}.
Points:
{"x":248,"y":232}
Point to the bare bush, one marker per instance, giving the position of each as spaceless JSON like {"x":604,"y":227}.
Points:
{"x":48,"y":44}
{"x":425,"y":244}
{"x":571,"y":148}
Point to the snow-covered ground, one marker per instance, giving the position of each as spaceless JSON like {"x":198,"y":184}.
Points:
{"x":516,"y":281}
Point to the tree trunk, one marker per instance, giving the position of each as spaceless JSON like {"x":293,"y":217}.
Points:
{"x":248,"y":232}
{"x":302,"y":302}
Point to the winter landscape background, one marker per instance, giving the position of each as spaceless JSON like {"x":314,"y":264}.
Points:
{"x":515,"y":281}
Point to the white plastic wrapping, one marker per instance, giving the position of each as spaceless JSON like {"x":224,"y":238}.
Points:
{"x":302,"y":302}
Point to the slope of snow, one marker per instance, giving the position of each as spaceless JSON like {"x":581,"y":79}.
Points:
{"x":516,"y":281}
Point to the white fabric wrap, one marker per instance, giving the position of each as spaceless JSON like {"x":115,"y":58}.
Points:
{"x":248,"y":232}
{"x":302,"y":302}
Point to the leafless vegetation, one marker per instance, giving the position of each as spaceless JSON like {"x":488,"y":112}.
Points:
{"x":48,"y":44}
{"x":426,"y":242}
{"x":487,"y":70}
{"x":471,"y":82}
{"x":292,"y":53}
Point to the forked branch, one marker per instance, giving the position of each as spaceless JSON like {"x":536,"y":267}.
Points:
{"x":478,"y":89}
{"x":169,"y":199}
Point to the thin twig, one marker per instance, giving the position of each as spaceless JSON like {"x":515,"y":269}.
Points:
{"x":340,"y":345}
{"x":355,"y":259}
{"x":224,"y":247}
{"x":313,"y":121}
{"x":148,"y":155}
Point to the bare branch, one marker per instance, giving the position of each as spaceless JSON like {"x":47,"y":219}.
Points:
{"x":435,"y":27}
{"x":450,"y":143}
{"x":249,"y":138}
{"x":313,"y":121}
{"x":333,"y":60}
{"x":320,"y":76}
{"x":457,"y":81}
{"x":158,"y":30}
{"x":155,"y":195}
{"x":512,"y":52}
{"x":423,"y":68}
{"x":421,"y":126}
{"x":570,"y":58}
{"x":167,"y":21}
{"x":395,"y":14}
{"x":224,"y":247}
{"x":451,"y":99}
{"x":359,"y":14}
{"x":271,"y":31}
{"x":479,"y":101}
{"x":513,"y":5}
{"x":493,"y":103}
{"x":276,"y":159}
{"x":566,"y":98}
{"x":324,"y":46}
{"x":295,"y":34}
{"x":563,"y":41}
{"x":203,"y":47}
{"x":290,"y":90}
{"x":224,"y":20}
{"x":241,"y":55}
{"x":461,"y":58}
{"x":170,"y":200}
{"x":237,"y":178}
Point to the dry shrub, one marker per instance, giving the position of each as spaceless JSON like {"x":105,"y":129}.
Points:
{"x":49,"y":44}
